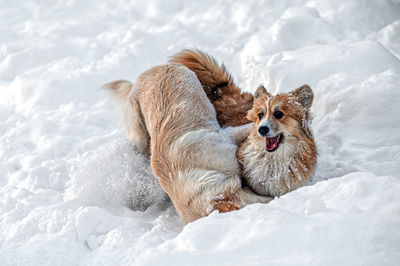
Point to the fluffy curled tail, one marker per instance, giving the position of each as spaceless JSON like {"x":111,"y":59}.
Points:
{"x":120,"y":88}
{"x":133,"y":117}
{"x":230,"y":104}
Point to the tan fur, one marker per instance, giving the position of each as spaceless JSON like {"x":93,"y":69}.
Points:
{"x":230,"y":104}
{"x":134,"y":123}
{"x":194,"y":159}
{"x":293,"y":163}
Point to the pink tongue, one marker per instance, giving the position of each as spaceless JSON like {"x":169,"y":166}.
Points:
{"x":271,"y":143}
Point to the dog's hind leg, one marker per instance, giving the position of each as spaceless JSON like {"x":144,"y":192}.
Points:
{"x":234,"y":200}
{"x":134,"y":122}
{"x":136,"y":128}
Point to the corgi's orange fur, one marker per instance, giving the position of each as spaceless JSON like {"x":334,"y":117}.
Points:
{"x":279,"y":154}
{"x":169,"y":114}
{"x":230,"y":104}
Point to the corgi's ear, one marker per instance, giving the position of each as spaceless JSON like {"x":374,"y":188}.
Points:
{"x":261,"y":90}
{"x":304,"y":95}
{"x":251,"y":115}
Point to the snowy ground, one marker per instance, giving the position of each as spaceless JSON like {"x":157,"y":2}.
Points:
{"x":68,"y":174}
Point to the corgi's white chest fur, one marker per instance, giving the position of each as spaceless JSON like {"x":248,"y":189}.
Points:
{"x":268,"y":173}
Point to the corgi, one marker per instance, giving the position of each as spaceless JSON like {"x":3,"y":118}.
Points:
{"x":230,"y":104}
{"x":279,"y":155}
{"x":168,"y":112}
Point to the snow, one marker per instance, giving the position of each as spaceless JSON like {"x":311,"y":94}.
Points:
{"x":73,"y":189}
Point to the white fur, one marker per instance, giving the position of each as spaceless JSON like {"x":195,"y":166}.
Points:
{"x":271,"y":174}
{"x":215,"y":149}
{"x":267,"y":103}
{"x":239,"y":133}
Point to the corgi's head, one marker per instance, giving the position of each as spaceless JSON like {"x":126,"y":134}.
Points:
{"x":282,"y":118}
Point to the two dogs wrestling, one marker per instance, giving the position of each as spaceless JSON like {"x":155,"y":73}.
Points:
{"x":211,"y":146}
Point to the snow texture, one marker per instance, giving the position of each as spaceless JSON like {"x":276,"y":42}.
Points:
{"x":73,"y":189}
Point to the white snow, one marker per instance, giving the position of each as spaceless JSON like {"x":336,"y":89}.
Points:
{"x":72,"y":187}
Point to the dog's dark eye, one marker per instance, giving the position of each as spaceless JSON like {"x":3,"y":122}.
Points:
{"x":260,"y":115}
{"x":278,"y":114}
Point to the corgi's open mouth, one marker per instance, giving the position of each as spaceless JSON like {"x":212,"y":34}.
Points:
{"x":271,"y":144}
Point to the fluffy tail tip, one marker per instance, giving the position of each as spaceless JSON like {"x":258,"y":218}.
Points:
{"x":118,"y":85}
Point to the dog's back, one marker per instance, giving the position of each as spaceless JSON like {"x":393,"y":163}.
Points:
{"x":181,"y":121}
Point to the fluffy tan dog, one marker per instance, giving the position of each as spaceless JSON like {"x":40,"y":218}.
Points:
{"x":194,"y":159}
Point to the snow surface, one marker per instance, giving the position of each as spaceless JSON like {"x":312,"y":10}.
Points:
{"x":69,"y":178}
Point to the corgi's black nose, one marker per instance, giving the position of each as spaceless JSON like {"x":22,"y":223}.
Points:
{"x":263,"y":130}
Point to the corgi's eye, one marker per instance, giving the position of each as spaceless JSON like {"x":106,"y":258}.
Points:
{"x":260,"y":115}
{"x":278,"y":114}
